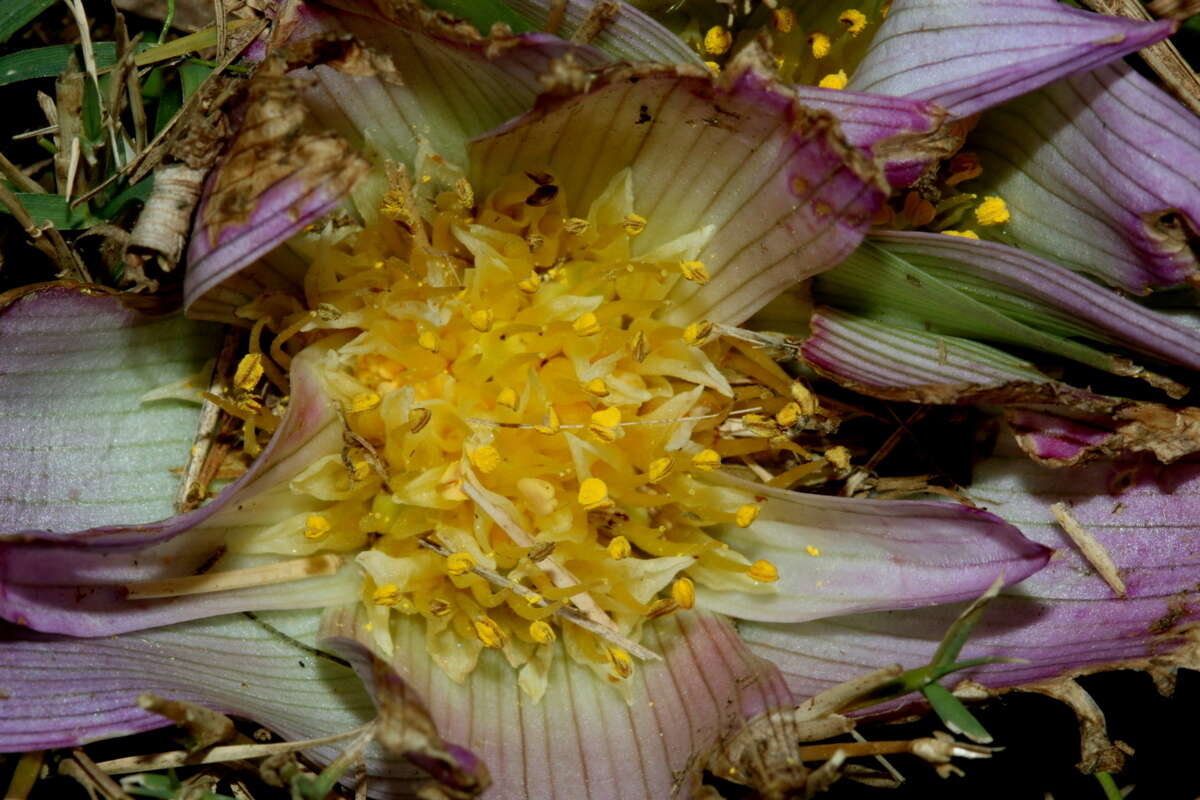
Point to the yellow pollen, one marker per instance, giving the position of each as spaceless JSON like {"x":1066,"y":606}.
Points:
{"x":597,"y":386}
{"x":714,"y":66}
{"x":533,"y":598}
{"x":507,"y":398}
{"x":489,"y":633}
{"x":760,"y":425}
{"x":717,"y":40}
{"x":747,"y":514}
{"x":964,"y":234}
{"x":789,"y":415}
{"x":249,"y":370}
{"x":683,"y":592}
{"x":784,"y":20}
{"x":619,"y":548}
{"x":659,"y":469}
{"x":707,"y":460}
{"x":838,"y":456}
{"x":486,"y":458}
{"x":428,"y":340}
{"x":459,"y":564}
{"x":360,"y":470}
{"x":854,"y":20}
{"x":820,"y":44}
{"x":316,"y":526}
{"x":387,"y":595}
{"x":763,"y":571}
{"x":363,"y":401}
{"x":992,"y":211}
{"x":593,"y":494}
{"x":804,"y":398}
{"x":622,"y":662}
{"x":834,"y":80}
{"x":633,"y":224}
{"x":541,"y":632}
{"x":482,"y":319}
{"x":586,"y":324}
{"x":694,"y":271}
{"x":530,"y":285}
{"x":550,"y":424}
{"x":697,"y":333}
{"x":812,"y":551}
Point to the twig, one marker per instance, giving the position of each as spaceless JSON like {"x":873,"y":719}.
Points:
{"x":47,"y":238}
{"x":25,"y":775}
{"x":187,"y":497}
{"x":1090,"y":547}
{"x":87,"y":772}
{"x":19,"y":178}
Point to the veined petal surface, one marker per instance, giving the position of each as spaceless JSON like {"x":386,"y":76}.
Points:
{"x":967,"y":55}
{"x":1065,"y":619}
{"x":1100,"y":173}
{"x":629,"y":34}
{"x":782,"y":193}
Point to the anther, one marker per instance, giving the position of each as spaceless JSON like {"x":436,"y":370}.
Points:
{"x":486,"y":458}
{"x":249,"y":371}
{"x":834,"y":80}
{"x":694,"y":271}
{"x":482,"y":319}
{"x":363,"y":401}
{"x":459,"y":564}
{"x":683,"y":592}
{"x":992,"y":211}
{"x":593,"y":494}
{"x":621,"y":662}
{"x":746,"y":515}
{"x":586,"y":324}
{"x":697,"y":333}
{"x":316,"y":526}
{"x":854,"y":20}
{"x":763,"y":571}
{"x":707,"y":460}
{"x":597,"y":387}
{"x":619,"y":548}
{"x":659,"y":469}
{"x":633,"y":224}
{"x":717,"y":40}
{"x":387,"y":595}
{"x":541,"y":632}
{"x":428,"y":340}
{"x":820,"y":44}
{"x":507,"y":398}
{"x":489,"y":633}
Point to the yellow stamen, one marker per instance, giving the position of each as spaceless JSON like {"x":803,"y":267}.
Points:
{"x":604,"y":424}
{"x":694,"y":271}
{"x":763,"y":571}
{"x":633,"y":224}
{"x":507,"y":398}
{"x":707,"y":460}
{"x":834,"y":80}
{"x":386,"y":595}
{"x":459,"y":564}
{"x":820,"y":44}
{"x":683,"y":592}
{"x":596,"y":386}
{"x":418,"y":418}
{"x":249,"y":371}
{"x":363,"y":401}
{"x":586,"y":324}
{"x":550,"y":425}
{"x":541,"y":632}
{"x":489,"y":633}
{"x":575,"y":225}
{"x":714,"y":66}
{"x":964,"y":234}
{"x":788,"y":416}
{"x":316,"y":526}
{"x":854,"y":20}
{"x":593,"y":494}
{"x":659,"y":468}
{"x":619,"y":548}
{"x":622,"y":662}
{"x":482,"y":319}
{"x":805,"y":399}
{"x":697,"y":333}
{"x":486,"y":458}
{"x":638,"y":347}
{"x":747,"y":514}
{"x":838,"y":456}
{"x":531,"y":284}
{"x":784,"y":19}
{"x":360,"y":470}
{"x":812,"y":551}
{"x":717,"y":40}
{"x":992,"y":211}
{"x":428,"y":340}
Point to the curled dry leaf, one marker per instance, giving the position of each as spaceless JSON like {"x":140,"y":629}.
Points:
{"x":1056,"y":440}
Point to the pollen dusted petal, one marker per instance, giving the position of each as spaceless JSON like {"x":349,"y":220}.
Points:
{"x":967,"y":56}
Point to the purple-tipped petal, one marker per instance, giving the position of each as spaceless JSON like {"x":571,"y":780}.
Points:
{"x":584,"y":739}
{"x":76,"y":582}
{"x":1055,"y":440}
{"x":1065,"y":619}
{"x":840,"y":556}
{"x":1100,"y":173}
{"x":629,"y":35}
{"x":967,"y":55}
{"x":1009,"y":278}
{"x":905,"y":134}
{"x":785,"y":196}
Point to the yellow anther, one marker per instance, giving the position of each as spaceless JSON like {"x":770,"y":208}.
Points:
{"x":638,"y":347}
{"x":683,"y":592}
{"x":541,"y":632}
{"x":838,"y":456}
{"x":812,"y":551}
{"x":760,"y":425}
{"x":633,"y":224}
{"x":747,"y":514}
{"x":418,"y":418}
{"x":360,"y":470}
{"x":694,"y":271}
{"x":586,"y":324}
{"x":530,"y":284}
{"x":489,"y":633}
{"x":854,"y":20}
{"x":486,"y":458}
{"x":538,"y":495}
{"x":593,"y":494}
{"x":249,"y":370}
{"x":540,"y":551}
{"x":507,"y":398}
{"x":788,"y":416}
{"x":784,"y":19}
{"x":575,"y":225}
{"x":607,"y":417}
{"x":992,"y":211}
{"x":834,"y":80}
{"x":717,"y":40}
{"x":621,"y":662}
{"x":820,"y":44}
{"x":459,"y":564}
{"x":804,"y":398}
{"x":482,"y":319}
{"x":964,"y":234}
{"x":659,"y":469}
{"x":763,"y":571}
{"x":428,"y":340}
{"x":439,"y":607}
{"x":661,"y":608}
{"x":697,"y":333}
{"x":707,"y":460}
{"x":533,"y":598}
{"x":363,"y":401}
{"x":387,"y":595}
{"x":597,"y":386}
{"x":619,"y":548}
{"x":714,"y":66}
{"x":550,"y":423}
{"x":316,"y":526}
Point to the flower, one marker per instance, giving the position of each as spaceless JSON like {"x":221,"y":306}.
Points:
{"x":438,"y":276}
